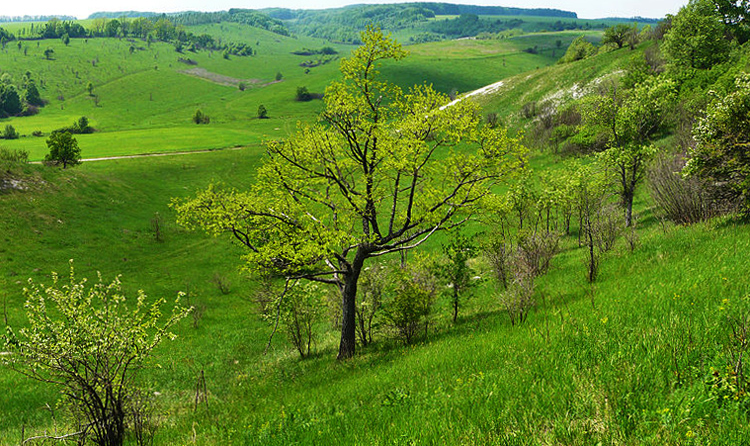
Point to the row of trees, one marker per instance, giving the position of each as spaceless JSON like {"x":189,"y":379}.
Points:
{"x":150,"y":29}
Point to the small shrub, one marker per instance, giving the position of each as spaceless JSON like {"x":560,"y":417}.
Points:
{"x":303,"y":95}
{"x":536,"y":250}
{"x":279,"y":76}
{"x":242,"y":86}
{"x":301,"y":310}
{"x":222,"y":283}
{"x":37,"y":133}
{"x":409,"y":309}
{"x":200,"y":118}
{"x":10,"y":132}
{"x":87,"y":341}
{"x":456,"y":271}
{"x":492,"y":120}
{"x":13,"y":156}
{"x":371,"y":292}
{"x":262,"y":112}
{"x":157,"y":228}
{"x":679,"y":199}
{"x":528,"y":110}
{"x":498,"y":252}
{"x":518,"y":298}
{"x":82,"y":126}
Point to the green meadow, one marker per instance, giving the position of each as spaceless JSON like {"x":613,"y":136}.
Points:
{"x":143,"y":102}
{"x":639,"y":357}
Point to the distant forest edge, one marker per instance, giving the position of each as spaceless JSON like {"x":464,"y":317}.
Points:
{"x":412,"y":22}
{"x":33,"y":18}
{"x":421,"y":21}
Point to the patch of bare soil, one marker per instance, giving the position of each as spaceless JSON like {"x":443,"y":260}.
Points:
{"x":224,"y":80}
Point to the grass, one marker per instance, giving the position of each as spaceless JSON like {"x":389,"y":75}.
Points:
{"x":139,"y":103}
{"x":629,"y":364}
{"x":632,"y":359}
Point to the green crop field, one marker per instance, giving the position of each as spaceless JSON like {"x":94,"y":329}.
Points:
{"x":647,"y":354}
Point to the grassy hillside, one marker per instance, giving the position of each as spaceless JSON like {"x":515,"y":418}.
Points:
{"x":625,"y":360}
{"x":142,"y":102}
{"x":642,"y":356}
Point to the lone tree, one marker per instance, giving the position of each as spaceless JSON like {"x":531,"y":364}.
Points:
{"x":617,"y":35}
{"x":63,"y":149}
{"x":382,"y":172}
{"x":631,"y":123}
{"x":262,"y":112}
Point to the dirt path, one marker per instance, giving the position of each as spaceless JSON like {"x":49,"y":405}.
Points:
{"x":146,"y":155}
{"x":220,"y":79}
{"x":487,"y":89}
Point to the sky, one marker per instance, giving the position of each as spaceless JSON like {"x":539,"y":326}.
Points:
{"x":586,"y":9}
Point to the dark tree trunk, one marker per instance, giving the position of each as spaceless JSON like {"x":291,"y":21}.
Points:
{"x":455,"y":303}
{"x":348,"y":305}
{"x":628,"y":205}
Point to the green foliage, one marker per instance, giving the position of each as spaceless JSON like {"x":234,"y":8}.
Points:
{"x":456,"y":272}
{"x":414,"y":294}
{"x":578,"y":50}
{"x":82,"y":126}
{"x":631,"y":124}
{"x":371,"y":164}
{"x":696,"y":38}
{"x":14,"y":155}
{"x":300,"y":309}
{"x":9,"y":133}
{"x":90,"y":343}
{"x":736,"y":16}
{"x":48,"y":53}
{"x":11,"y":160}
{"x":262,"y":112}
{"x":10,"y":101}
{"x":721,"y":156}
{"x":201,"y":118}
{"x":31,"y":94}
{"x":373,"y":287}
{"x":63,"y":149}
{"x":303,"y":95}
{"x":618,"y":34}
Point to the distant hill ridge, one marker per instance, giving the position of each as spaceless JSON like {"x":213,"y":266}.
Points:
{"x":436,"y":8}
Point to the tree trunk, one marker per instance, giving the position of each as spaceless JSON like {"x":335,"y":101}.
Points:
{"x":628,"y":205}
{"x":348,"y":306}
{"x":455,"y":303}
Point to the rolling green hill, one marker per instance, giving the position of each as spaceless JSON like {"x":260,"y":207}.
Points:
{"x":142,"y":101}
{"x":647,"y":354}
